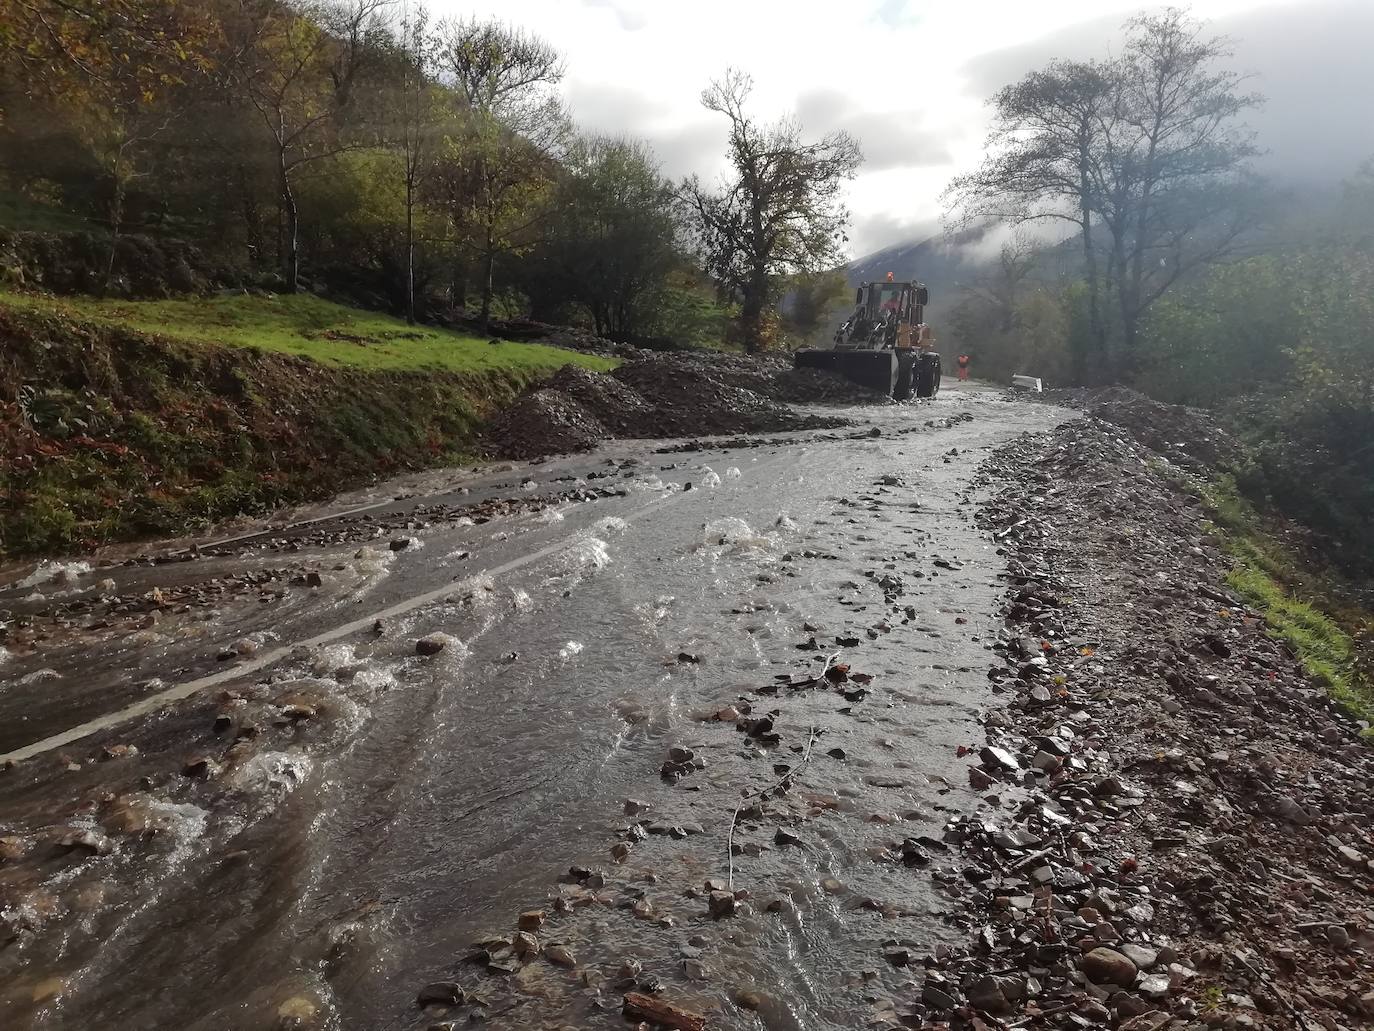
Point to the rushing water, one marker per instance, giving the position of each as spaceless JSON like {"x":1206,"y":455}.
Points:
{"x":380,"y":810}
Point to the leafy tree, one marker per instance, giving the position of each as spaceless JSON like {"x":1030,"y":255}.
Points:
{"x":815,"y":298}
{"x":1142,"y":154}
{"x":298,"y":67}
{"x":500,"y":164}
{"x":123,"y":73}
{"x":1045,"y":162}
{"x":777,"y":213}
{"x":610,"y":240}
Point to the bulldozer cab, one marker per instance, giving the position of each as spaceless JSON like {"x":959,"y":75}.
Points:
{"x":886,"y":315}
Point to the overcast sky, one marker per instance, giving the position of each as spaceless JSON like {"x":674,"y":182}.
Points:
{"x":910,"y":78}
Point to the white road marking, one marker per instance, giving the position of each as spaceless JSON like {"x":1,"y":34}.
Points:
{"x":179,"y":691}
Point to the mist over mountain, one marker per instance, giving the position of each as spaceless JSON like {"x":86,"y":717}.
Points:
{"x":1310,"y":61}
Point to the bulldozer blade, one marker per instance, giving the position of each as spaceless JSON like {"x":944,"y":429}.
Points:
{"x":876,"y":370}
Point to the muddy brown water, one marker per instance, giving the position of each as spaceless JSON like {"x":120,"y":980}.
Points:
{"x":330,"y":868}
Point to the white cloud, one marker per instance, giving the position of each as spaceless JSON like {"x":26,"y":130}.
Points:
{"x":908,"y":77}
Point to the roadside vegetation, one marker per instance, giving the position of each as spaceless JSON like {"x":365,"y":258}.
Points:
{"x":1322,"y":621}
{"x":116,"y":433}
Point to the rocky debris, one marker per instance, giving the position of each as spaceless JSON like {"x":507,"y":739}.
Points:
{"x":1189,"y":437}
{"x":1180,"y":816}
{"x":674,"y":394}
{"x":545,"y":422}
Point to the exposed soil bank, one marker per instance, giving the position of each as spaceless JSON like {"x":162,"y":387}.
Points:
{"x":108,"y":434}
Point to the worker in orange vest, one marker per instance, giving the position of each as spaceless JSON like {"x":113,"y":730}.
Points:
{"x":963,"y":367}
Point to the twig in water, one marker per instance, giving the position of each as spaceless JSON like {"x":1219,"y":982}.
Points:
{"x":734,"y":820}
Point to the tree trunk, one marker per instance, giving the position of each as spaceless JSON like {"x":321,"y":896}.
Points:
{"x":488,"y":264}
{"x":410,"y":251}
{"x":1095,"y":334}
{"x":751,"y":310}
{"x":291,"y":270}
{"x":116,"y":219}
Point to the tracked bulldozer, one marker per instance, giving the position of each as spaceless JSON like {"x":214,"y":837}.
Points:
{"x":884,"y":344}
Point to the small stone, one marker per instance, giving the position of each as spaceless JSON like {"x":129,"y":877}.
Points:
{"x":722,"y":904}
{"x":1142,"y":957}
{"x":748,"y":1000}
{"x":531,"y":920}
{"x":560,"y":954}
{"x":431,"y":645}
{"x":978,"y":779}
{"x":1338,"y":936}
{"x":695,"y":970}
{"x":1107,"y":966}
{"x":201,"y":768}
{"x":986,"y":994}
{"x":313,"y":579}
{"x":88,"y":840}
{"x":526,"y":945}
{"x":442,"y":993}
{"x":785,"y":838}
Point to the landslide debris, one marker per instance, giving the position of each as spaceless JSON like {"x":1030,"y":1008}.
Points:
{"x":669,"y":395}
{"x":1189,"y":437}
{"x":1178,"y":827}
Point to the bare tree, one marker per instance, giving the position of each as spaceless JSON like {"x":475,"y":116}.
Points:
{"x":1178,"y":194}
{"x":515,"y":126}
{"x":1045,"y":159}
{"x":777,"y":213}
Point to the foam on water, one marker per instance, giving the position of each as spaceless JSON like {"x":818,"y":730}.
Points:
{"x":333,"y":659}
{"x":521,"y":601}
{"x":733,"y":473}
{"x":550,"y":515}
{"x":38,"y":675}
{"x":586,"y":554}
{"x":454,"y":651}
{"x":784,"y":523}
{"x":278,"y":772}
{"x":372,"y":561}
{"x":373,"y":680}
{"x":709,"y":477}
{"x":570,"y":649}
{"x":55,"y":572}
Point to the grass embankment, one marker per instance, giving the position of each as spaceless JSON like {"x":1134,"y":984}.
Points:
{"x":1325,"y":632}
{"x":121,"y":420}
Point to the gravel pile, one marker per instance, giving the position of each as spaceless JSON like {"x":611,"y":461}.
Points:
{"x":545,"y":422}
{"x":617,"y":406}
{"x":668,"y":395}
{"x":1186,"y":436}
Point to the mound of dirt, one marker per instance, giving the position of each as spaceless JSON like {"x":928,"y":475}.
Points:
{"x":545,"y":422}
{"x":618,"y":407}
{"x":692,"y":399}
{"x":1186,"y":436}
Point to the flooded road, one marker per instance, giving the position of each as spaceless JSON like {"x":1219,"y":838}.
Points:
{"x":241,"y":797}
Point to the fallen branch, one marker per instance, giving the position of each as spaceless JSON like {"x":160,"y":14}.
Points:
{"x":734,"y":820}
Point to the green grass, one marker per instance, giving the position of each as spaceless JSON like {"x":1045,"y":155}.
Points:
{"x":1271,"y":580}
{"x":306,"y":325}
